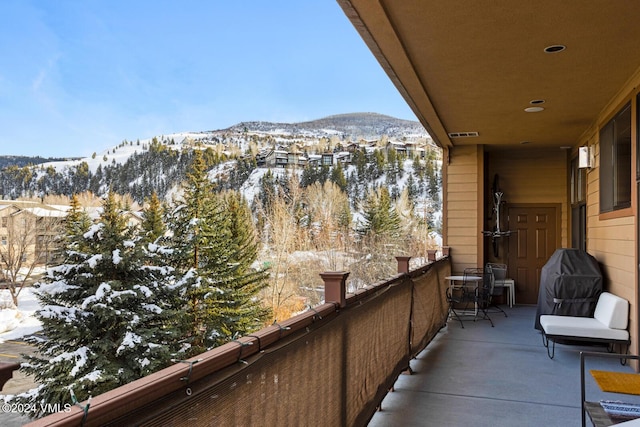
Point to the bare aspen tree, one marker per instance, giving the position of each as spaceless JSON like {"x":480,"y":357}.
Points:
{"x":29,"y":239}
{"x":330,"y":215}
{"x":420,"y":235}
{"x":283,"y":220}
{"x":56,"y":199}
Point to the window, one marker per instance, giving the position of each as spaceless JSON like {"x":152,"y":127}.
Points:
{"x":578,"y":207}
{"x":615,"y":162}
{"x":638,"y":138}
{"x":578,"y":183}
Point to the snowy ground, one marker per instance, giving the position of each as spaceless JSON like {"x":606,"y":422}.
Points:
{"x":15,"y":324}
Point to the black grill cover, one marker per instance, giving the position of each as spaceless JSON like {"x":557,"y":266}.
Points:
{"x":570,"y":284}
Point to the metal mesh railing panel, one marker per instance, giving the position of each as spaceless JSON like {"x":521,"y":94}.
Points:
{"x":293,"y":384}
{"x":377,"y":350}
{"x":334,"y":375}
{"x":333,"y":371}
{"x":429,"y":310}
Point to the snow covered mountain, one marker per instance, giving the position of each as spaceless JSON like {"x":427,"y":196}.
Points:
{"x":158,"y":164}
{"x":346,"y":126}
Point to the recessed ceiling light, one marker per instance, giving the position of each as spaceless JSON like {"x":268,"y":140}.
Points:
{"x":554,"y":48}
{"x":533,"y":109}
{"x":536,"y":101}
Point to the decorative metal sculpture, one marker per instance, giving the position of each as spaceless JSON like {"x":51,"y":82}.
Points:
{"x":496,"y":233}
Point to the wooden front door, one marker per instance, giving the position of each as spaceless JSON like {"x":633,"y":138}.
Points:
{"x":530,"y":248}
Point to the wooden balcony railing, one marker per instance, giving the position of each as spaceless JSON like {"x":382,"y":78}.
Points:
{"x":331,"y":365}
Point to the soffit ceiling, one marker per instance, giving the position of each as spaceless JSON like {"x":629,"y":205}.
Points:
{"x":474,"y":66}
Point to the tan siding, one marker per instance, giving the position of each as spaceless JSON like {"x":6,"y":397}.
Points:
{"x":462,"y":198}
{"x":461,"y":178}
{"x":458,"y":211}
{"x":464,"y":236}
{"x":613,"y":240}
{"x":461,"y":192}
{"x":615,"y":247}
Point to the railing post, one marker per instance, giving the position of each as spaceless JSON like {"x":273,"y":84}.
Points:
{"x":446,"y":251}
{"x":403,"y":264}
{"x":431,"y":255}
{"x":335,"y":288}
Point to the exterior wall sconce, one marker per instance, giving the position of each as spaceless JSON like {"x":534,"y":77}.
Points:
{"x":584,"y":157}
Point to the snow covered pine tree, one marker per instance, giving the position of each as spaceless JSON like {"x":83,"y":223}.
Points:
{"x":108,"y":314}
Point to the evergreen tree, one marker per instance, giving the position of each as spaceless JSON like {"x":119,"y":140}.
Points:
{"x":418,"y":167}
{"x":392,"y":156}
{"x":433,"y":182}
{"x":107,"y":315}
{"x":338,"y":178}
{"x":267,"y":190}
{"x":378,"y":164}
{"x":380,"y":234}
{"x":77,"y":222}
{"x":153,"y":224}
{"x":380,"y":216}
{"x":308,"y":176}
{"x":213,"y":252}
{"x":243,"y":312}
{"x":412,"y":188}
{"x":359,"y":159}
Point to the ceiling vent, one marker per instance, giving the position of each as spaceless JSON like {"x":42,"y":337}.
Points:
{"x":463,"y":134}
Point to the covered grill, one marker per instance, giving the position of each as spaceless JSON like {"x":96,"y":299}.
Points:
{"x":570,"y":283}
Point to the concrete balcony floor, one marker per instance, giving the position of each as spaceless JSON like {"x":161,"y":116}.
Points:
{"x":500,"y":376}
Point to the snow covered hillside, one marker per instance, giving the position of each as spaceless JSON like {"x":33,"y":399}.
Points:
{"x":158,"y":164}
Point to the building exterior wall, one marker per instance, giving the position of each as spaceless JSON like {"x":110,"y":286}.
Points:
{"x":542,"y":177}
{"x":613,"y":237}
{"x":463,"y":171}
{"x":533,"y":177}
{"x":536,"y":177}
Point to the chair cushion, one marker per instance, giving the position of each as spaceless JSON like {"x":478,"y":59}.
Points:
{"x":583,"y":327}
{"x":612,"y":311}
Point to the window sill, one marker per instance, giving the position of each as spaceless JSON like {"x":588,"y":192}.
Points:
{"x":620,"y":213}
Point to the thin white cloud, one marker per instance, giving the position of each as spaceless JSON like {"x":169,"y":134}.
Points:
{"x":37,"y":82}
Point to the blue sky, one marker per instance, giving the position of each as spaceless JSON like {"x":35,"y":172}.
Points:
{"x":78,"y":76}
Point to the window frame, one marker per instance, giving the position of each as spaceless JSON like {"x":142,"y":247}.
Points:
{"x":578,"y":182}
{"x":616,"y":163}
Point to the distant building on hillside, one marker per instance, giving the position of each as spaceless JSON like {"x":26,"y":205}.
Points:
{"x":284,"y":157}
{"x":30,"y":232}
{"x":266,"y":158}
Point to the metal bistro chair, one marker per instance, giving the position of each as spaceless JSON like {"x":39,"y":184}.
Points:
{"x":454,"y":301}
{"x":468,"y":299}
{"x":462,"y":298}
{"x":483,"y":294}
{"x":498,"y":274}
